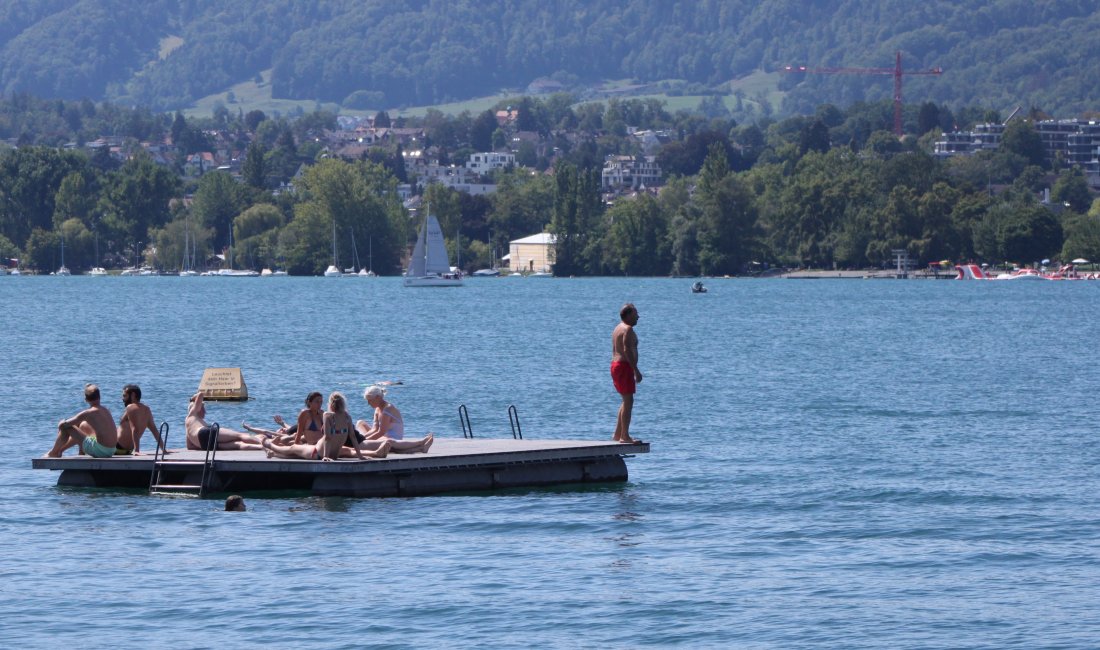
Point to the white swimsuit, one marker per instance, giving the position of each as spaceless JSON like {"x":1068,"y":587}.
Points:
{"x":397,"y":427}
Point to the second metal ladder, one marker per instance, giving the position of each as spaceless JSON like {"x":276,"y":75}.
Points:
{"x":163,"y":467}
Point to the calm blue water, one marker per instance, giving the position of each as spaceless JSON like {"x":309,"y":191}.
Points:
{"x":835,"y":464}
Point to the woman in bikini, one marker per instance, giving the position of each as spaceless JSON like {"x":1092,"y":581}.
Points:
{"x":387,"y":425}
{"x":306,"y":431}
{"x":337,"y":439}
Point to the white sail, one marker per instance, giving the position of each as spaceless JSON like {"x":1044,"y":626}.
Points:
{"x":418,"y":262}
{"x":429,"y":265}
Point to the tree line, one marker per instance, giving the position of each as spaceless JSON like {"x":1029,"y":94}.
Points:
{"x":834,"y":189}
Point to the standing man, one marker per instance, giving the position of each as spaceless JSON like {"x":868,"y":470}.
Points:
{"x":93,"y":429}
{"x":624,"y":369}
{"x":135,"y":420}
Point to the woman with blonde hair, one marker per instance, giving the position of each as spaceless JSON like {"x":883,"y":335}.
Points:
{"x":338,"y":440}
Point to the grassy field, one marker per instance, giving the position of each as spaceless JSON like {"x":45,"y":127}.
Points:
{"x":250,"y":95}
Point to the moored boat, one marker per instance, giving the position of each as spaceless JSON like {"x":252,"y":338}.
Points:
{"x":429,"y":265}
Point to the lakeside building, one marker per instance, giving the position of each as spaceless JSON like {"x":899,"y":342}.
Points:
{"x":533,"y":253}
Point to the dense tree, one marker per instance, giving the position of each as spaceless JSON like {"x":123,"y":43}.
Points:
{"x":1021,"y":138}
{"x":1072,"y":189}
{"x":637,"y":237}
{"x":727,"y":221}
{"x":481,"y":131}
{"x":254,"y":168}
{"x":358,"y":201}
{"x":573,"y":221}
{"x":216,"y":203}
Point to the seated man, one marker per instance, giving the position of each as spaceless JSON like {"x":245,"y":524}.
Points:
{"x":135,"y":420}
{"x":93,"y":429}
{"x":200,"y":435}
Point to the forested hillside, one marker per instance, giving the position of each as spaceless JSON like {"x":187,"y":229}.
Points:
{"x":165,"y":54}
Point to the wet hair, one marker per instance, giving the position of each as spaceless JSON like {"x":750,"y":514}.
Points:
{"x":374,"y":391}
{"x":91,"y":393}
{"x":627,"y":310}
{"x":234,"y":503}
{"x":132,"y":390}
{"x":312,"y":396}
{"x":337,"y":403}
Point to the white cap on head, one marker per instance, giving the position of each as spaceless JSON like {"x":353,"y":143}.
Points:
{"x":374,"y":391}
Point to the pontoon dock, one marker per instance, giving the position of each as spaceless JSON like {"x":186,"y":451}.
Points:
{"x":452,"y":464}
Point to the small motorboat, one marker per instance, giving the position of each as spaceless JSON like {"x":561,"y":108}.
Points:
{"x":698,"y":288}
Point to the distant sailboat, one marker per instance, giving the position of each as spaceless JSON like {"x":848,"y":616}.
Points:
{"x":333,"y":271}
{"x":369,"y":271}
{"x":64,"y":270}
{"x":97,"y":270}
{"x":188,"y":270}
{"x":493,"y":271}
{"x":429,"y":265}
{"x":230,"y":272}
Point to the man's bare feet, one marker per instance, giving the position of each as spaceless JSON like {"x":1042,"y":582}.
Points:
{"x":428,"y":443}
{"x":52,"y":455}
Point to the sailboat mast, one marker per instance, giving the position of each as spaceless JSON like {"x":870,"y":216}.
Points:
{"x":427,"y":239}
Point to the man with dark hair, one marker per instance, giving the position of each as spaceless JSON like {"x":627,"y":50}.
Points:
{"x":93,"y":429}
{"x":234,"y":503}
{"x":624,"y":369}
{"x":135,"y":420}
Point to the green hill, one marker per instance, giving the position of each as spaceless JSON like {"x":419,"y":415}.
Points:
{"x":367,"y":54}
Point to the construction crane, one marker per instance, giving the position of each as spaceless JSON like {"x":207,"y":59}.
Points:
{"x":896,"y":71}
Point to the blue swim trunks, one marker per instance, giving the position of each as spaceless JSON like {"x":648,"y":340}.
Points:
{"x":92,"y":447}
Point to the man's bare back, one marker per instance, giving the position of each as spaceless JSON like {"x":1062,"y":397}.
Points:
{"x":136,"y":419}
{"x":101,"y":422}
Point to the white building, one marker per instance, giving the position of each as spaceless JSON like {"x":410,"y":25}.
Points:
{"x":484,"y":163}
{"x":533,"y":253}
{"x":630,"y":172}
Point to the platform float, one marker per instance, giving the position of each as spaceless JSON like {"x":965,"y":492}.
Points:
{"x":452,"y":465}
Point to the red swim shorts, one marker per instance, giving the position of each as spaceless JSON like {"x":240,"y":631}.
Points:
{"x":623,"y":375}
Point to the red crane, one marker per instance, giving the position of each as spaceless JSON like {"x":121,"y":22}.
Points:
{"x":896,"y":71}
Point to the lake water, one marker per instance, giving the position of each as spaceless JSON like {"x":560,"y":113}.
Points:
{"x":834,"y":464}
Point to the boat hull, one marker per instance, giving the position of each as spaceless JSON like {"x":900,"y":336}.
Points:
{"x":433,"y":281}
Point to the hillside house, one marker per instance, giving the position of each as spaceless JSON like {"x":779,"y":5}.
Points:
{"x":621,"y":172}
{"x":486,"y":163}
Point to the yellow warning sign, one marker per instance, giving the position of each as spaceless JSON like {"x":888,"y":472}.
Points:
{"x":225,"y":384}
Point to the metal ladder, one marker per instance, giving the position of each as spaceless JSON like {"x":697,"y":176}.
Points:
{"x":468,"y":429}
{"x":162,"y":467}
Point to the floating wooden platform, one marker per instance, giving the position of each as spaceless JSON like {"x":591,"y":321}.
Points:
{"x":451,"y":465}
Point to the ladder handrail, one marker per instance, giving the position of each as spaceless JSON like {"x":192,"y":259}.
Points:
{"x":157,"y":474}
{"x":464,"y":420}
{"x":162,"y":449}
{"x":513,"y":419}
{"x":211,"y":453}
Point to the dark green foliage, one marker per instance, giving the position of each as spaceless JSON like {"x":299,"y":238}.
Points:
{"x":1072,"y":189}
{"x":375,"y":53}
{"x":1021,"y":138}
